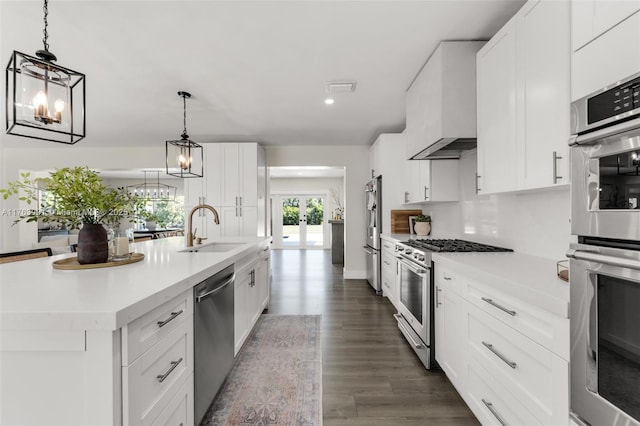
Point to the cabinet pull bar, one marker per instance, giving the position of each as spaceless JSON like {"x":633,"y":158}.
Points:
{"x":413,"y":342}
{"x":406,"y":196}
{"x":438,"y":290}
{"x":556,"y":157}
{"x":502,"y":308}
{"x":171,"y":318}
{"x":494,"y":412}
{"x":499,"y":355}
{"x":426,"y":197}
{"x":477,"y":183}
{"x":174,"y":364}
{"x":447,"y":278}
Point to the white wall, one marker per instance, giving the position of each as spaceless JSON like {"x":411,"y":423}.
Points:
{"x":355,"y":161}
{"x":310,"y":186}
{"x":59,"y":155}
{"x":535,"y":223}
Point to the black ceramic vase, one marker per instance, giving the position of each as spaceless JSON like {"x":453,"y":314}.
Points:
{"x":93,"y":246}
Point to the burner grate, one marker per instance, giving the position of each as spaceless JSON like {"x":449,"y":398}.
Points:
{"x":455,"y":245}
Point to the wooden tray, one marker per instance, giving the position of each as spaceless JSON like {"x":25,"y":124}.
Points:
{"x":71,"y":263}
{"x":400,"y":220}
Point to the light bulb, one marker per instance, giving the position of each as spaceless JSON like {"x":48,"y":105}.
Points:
{"x":39,"y":103}
{"x":59,"y":107}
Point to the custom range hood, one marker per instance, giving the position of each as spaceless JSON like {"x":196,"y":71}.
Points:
{"x":441,"y":103}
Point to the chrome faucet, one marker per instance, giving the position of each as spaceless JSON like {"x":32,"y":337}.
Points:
{"x":190,"y":234}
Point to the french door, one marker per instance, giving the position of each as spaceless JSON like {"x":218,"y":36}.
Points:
{"x":299,"y":221}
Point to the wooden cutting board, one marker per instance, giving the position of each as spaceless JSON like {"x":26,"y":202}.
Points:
{"x":400,"y":220}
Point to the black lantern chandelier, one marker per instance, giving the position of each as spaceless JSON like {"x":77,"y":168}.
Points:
{"x":44,"y":100}
{"x":153,"y":191}
{"x":184,"y":157}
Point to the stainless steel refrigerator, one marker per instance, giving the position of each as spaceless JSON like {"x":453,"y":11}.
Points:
{"x":373,"y":220}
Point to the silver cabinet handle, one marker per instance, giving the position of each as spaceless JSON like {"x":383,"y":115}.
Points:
{"x":406,"y":196}
{"x":387,"y":263}
{"x":438,"y":290}
{"x":240,"y":201}
{"x":499,"y":355}
{"x":426,"y":197}
{"x":386,"y":245}
{"x":502,"y":308}
{"x":556,"y":157}
{"x":221,"y":286}
{"x":413,"y":342}
{"x":171,"y":318}
{"x":174,"y":364}
{"x":477,"y":183}
{"x":494,"y":412}
{"x":446,"y":278}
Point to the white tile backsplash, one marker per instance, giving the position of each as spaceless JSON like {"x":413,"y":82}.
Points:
{"x":535,"y":223}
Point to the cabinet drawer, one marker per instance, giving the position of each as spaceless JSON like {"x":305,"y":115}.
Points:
{"x":493,"y":404}
{"x":389,"y":264}
{"x":388,"y":247}
{"x":171,"y":360}
{"x":144,"y":332}
{"x":529,"y":372}
{"x":179,"y":411}
{"x":546,"y":329}
{"x":450,"y":281}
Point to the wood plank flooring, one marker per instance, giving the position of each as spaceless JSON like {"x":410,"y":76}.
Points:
{"x":370,"y":374}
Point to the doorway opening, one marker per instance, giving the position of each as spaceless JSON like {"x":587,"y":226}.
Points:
{"x":300,"y":221}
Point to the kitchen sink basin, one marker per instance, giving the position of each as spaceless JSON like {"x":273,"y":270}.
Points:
{"x":214,"y":248}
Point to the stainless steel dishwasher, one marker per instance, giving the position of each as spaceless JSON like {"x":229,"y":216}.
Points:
{"x":213,"y":337}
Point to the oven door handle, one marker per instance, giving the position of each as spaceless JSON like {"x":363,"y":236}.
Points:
{"x":604,"y":259}
{"x":412,"y":268}
{"x":369,"y":251}
{"x":398,"y":318}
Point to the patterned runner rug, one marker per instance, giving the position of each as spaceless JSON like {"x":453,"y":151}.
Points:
{"x":276,"y":378}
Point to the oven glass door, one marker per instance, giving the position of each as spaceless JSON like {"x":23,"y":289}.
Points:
{"x":615,"y":342}
{"x":414,"y":297}
{"x":605,"y":336}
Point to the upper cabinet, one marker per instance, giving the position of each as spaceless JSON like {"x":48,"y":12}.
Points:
{"x":605,"y":43}
{"x":441,"y":107}
{"x":523,"y":101}
{"x":430,"y":181}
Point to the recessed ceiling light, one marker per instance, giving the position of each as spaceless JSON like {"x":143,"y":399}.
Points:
{"x":328,"y":101}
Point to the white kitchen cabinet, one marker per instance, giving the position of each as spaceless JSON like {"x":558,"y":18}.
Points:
{"x":374,"y":158}
{"x":440,"y":102}
{"x":543,"y":86}
{"x":496,"y":97}
{"x":235,"y":185}
{"x":389,"y":272}
{"x":451,"y":327}
{"x":523,"y":97}
{"x":432,"y":180}
{"x":252,"y":292}
{"x":507,"y":358}
{"x":606,"y":44}
{"x":592,"y":18}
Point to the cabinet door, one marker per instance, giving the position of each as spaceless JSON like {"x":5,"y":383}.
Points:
{"x":451,"y":335}
{"x":194,"y":190}
{"x":544,"y":93}
{"x":425,"y":180}
{"x":230,"y":166}
{"x":230,"y":224}
{"x":496,"y":88}
{"x":213,"y":178}
{"x":263,"y":281}
{"x":374,"y":160}
{"x":248,"y":174}
{"x":415,"y":117}
{"x":609,"y":13}
{"x":413,"y":183}
{"x":241,"y":307}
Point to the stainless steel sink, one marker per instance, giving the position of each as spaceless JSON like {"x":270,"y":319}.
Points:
{"x":214,"y":248}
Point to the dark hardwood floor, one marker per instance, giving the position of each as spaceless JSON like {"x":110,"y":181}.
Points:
{"x":370,"y":374}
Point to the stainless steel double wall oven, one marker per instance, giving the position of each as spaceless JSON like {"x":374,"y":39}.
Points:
{"x":605,"y":263}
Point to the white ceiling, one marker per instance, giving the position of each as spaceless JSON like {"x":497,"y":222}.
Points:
{"x":256,"y":69}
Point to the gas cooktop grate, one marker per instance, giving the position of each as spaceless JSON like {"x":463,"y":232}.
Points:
{"x":443,"y":245}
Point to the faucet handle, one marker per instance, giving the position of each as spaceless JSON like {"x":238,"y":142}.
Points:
{"x":199,"y":240}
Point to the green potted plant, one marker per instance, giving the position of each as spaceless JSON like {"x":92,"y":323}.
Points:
{"x":423,"y":225}
{"x":151,"y":220}
{"x":76,"y":197}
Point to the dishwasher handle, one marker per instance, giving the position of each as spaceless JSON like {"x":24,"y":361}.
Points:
{"x":216,"y":290}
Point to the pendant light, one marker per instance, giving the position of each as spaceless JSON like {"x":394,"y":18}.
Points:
{"x":184,"y":157}
{"x":44,"y":100}
{"x":153,"y":191}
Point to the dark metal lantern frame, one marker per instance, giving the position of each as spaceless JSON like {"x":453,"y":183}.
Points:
{"x":185,"y":158}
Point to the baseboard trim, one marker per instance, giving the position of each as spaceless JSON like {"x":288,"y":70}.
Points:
{"x":354,"y":275}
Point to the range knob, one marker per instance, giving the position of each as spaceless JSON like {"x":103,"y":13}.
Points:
{"x":419,"y":257}
{"x":408,"y":251}
{"x":398,"y":248}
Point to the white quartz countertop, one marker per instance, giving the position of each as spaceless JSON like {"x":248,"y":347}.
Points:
{"x":35,"y":296}
{"x":531,"y":279}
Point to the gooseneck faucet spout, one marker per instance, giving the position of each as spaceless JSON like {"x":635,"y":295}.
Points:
{"x":190,"y":233}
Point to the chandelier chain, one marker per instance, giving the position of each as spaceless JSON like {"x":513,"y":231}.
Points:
{"x":184,"y":100}
{"x":45,"y":8}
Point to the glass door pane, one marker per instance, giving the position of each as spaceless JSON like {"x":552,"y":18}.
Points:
{"x":291,"y":222}
{"x":314,"y":222}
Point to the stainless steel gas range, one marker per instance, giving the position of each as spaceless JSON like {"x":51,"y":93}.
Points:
{"x":415,"y":276}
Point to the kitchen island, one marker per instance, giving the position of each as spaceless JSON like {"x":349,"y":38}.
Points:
{"x":71,"y":340}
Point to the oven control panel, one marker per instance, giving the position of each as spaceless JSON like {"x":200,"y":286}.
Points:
{"x":620,"y":99}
